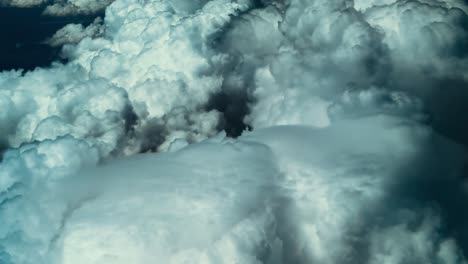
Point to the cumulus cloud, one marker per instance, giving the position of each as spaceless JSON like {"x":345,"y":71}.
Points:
{"x":357,"y":154}
{"x":22,"y":3}
{"x":75,"y":7}
{"x":346,"y":188}
{"x":55,"y":230}
{"x":315,"y":53}
{"x":74,"y":33}
{"x":301,"y":195}
{"x":61,"y":7}
{"x":142,"y":74}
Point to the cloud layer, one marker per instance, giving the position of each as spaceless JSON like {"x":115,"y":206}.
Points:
{"x":357,"y":154}
{"x":61,"y":7}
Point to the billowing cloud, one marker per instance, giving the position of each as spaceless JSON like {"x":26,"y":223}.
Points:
{"x":61,"y":7}
{"x":75,"y":7}
{"x":348,"y":187}
{"x":22,"y":3}
{"x":142,"y":74}
{"x":74,"y":33}
{"x":301,"y":195}
{"x":357,"y":154}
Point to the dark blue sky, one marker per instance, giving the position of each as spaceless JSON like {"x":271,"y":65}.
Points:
{"x":23,"y":31}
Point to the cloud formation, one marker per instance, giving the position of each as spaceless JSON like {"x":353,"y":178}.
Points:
{"x":142,"y":75}
{"x":357,"y":154}
{"x":75,"y":7}
{"x":74,"y":33}
{"x":61,"y":7}
{"x":301,"y":195}
{"x":22,"y":3}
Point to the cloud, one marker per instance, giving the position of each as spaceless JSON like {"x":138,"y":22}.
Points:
{"x":351,"y":192}
{"x":54,"y":228}
{"x":75,"y":7}
{"x":357,"y":154}
{"x":74,"y":33}
{"x":317,"y":52}
{"x":142,"y":73}
{"x":61,"y":7}
{"x":301,"y":194}
{"x":22,"y":3}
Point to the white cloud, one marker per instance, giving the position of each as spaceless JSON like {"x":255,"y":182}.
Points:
{"x":401,"y":243}
{"x":344,"y":186}
{"x":22,"y":3}
{"x":139,"y":73}
{"x":74,"y":33}
{"x":359,"y":180}
{"x":75,"y":7}
{"x":61,"y":7}
{"x":276,"y":195}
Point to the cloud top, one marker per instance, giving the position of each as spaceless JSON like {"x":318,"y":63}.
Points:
{"x":357,"y":154}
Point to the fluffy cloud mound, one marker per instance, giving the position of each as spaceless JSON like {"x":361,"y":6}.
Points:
{"x":61,"y":7}
{"x":74,"y":33}
{"x":316,"y":52}
{"x":357,"y":154}
{"x":22,"y":3}
{"x":143,"y":77}
{"x":75,"y":7}
{"x":352,"y":192}
{"x":302,"y":195}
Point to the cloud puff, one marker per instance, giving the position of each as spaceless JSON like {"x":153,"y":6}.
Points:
{"x":317,"y":52}
{"x":75,"y":7}
{"x":22,"y":3}
{"x":61,"y":7}
{"x":25,"y":174}
{"x":74,"y":33}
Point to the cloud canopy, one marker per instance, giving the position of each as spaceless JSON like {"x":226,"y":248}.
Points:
{"x":357,"y":154}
